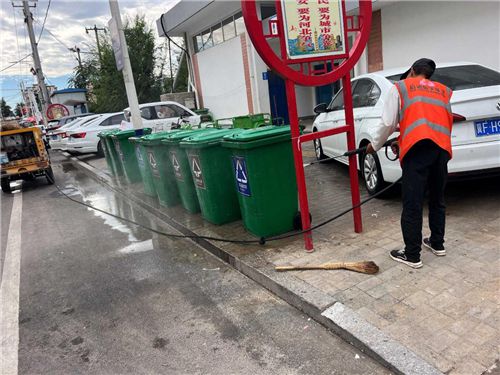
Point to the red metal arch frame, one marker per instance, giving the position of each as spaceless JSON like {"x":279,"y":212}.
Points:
{"x":281,"y":65}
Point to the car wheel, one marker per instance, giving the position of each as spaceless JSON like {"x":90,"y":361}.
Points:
{"x":100,"y":151}
{"x":372,"y":173}
{"x":318,"y":150}
{"x":49,"y":175}
{"x":6,"y":185}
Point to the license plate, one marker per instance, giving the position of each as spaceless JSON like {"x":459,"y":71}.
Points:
{"x":487,"y":127}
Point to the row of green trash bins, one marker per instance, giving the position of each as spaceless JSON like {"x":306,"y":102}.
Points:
{"x":227,"y":174}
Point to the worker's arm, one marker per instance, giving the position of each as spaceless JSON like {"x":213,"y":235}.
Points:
{"x":388,"y":121}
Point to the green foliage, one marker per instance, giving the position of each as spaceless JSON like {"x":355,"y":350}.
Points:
{"x":105,"y":83}
{"x":19,"y":109}
{"x":5,"y":108}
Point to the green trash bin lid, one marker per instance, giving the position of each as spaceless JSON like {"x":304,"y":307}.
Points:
{"x":176,"y":137}
{"x":106,"y":133}
{"x":257,"y":137}
{"x":124,"y":134}
{"x":208,"y":139}
{"x":156,"y":138}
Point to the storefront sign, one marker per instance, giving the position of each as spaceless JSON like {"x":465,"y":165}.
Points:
{"x":313,"y":28}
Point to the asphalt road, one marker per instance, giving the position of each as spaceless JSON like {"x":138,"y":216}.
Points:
{"x":99,"y":296}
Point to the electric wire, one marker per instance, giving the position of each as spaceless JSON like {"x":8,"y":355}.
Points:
{"x":260,"y":241}
{"x":16,"y":62}
{"x":44,"y":20}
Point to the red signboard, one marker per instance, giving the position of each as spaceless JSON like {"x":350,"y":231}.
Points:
{"x":313,"y":31}
{"x":55,"y":111}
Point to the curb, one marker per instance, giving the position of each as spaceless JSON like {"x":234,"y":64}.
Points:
{"x":320,"y":306}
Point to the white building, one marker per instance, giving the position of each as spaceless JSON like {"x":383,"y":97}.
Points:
{"x":231,"y":79}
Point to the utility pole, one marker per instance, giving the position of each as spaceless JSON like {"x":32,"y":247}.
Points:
{"x":123,"y":63}
{"x":45,"y":99}
{"x":77,"y":51}
{"x":96,"y":31}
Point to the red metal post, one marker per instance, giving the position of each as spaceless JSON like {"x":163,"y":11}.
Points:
{"x":351,"y":145}
{"x":299,"y":163}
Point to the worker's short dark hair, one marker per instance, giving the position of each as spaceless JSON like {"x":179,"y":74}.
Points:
{"x":425,"y":70}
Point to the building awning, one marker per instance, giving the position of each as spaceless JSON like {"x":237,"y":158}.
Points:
{"x":194,"y":16}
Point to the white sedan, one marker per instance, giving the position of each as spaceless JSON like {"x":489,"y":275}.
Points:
{"x":476,"y":128}
{"x":164,"y":116}
{"x":58,"y":138}
{"x":84,"y":139}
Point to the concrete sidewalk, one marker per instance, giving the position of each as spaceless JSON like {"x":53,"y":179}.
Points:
{"x":441,"y":318}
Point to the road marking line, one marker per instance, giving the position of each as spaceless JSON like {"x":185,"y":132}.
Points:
{"x":9,"y":292}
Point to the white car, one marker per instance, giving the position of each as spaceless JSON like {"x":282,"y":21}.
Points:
{"x":475,"y":104}
{"x":58,"y":138}
{"x":84,"y":139}
{"x":160,"y":116}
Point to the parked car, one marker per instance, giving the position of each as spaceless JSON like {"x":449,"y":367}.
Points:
{"x":83,"y":139}
{"x":476,"y":129}
{"x":58,"y":137}
{"x":160,"y":116}
{"x":57,"y":123}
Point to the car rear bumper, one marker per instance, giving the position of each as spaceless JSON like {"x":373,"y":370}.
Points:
{"x":469,"y":161}
{"x":475,"y":157}
{"x":81,"y":147}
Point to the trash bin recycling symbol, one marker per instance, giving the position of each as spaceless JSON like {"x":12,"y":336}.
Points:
{"x":176,"y":166}
{"x":153,"y":164}
{"x":240,"y":172}
{"x":119,"y":150}
{"x":196,"y":169}
{"x":140,"y":159}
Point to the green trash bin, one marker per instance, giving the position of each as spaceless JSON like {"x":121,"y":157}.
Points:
{"x":211,"y":170}
{"x":144,"y":166}
{"x":126,"y":154}
{"x":161,"y":168}
{"x":264,"y":174}
{"x":181,"y":170}
{"x":104,"y":136}
{"x":251,"y":121}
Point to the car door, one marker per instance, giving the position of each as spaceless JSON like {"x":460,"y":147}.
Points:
{"x":330,"y":120}
{"x":365,"y":95}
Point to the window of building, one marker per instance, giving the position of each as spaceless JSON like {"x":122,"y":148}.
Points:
{"x":219,"y":33}
{"x":228,"y":28}
{"x":240,"y":24}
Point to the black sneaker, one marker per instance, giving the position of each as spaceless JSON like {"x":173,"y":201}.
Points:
{"x":436,"y":251}
{"x":399,"y":256}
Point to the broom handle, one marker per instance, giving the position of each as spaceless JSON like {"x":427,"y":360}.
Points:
{"x":326,"y":266}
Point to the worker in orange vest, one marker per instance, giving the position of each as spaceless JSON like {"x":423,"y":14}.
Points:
{"x":422,"y":109}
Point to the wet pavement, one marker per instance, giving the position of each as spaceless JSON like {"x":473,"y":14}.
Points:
{"x":447,"y":312}
{"x":100,"y":296}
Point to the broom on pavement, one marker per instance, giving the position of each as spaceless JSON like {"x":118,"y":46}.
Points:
{"x":368,"y":267}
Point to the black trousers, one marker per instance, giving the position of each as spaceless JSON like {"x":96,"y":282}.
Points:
{"x":424,"y":166}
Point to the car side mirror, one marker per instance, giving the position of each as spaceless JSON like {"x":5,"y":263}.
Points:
{"x":321,"y":108}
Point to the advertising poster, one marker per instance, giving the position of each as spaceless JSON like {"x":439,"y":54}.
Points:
{"x":313,"y":28}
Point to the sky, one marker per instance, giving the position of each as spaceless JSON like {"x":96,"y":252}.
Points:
{"x":67,"y":21}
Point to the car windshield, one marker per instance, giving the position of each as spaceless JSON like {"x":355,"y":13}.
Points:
{"x":462,"y":77}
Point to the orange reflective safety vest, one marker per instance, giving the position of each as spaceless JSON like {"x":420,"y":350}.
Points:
{"x":425,"y":113}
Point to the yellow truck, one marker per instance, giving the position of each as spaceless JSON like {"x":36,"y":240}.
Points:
{"x":23,"y":156}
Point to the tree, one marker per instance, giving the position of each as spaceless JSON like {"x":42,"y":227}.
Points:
{"x":19,"y":109}
{"x":5,"y":108}
{"x":105,"y":83}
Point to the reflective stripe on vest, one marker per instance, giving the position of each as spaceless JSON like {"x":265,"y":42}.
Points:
{"x":424,"y":113}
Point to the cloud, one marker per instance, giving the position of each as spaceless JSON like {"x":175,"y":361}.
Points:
{"x":67,"y":20}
